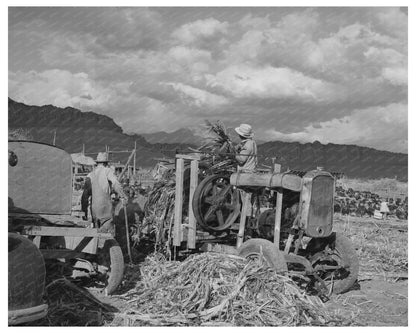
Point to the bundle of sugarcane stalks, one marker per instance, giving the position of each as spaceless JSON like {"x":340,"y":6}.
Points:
{"x":158,"y":212}
{"x":217,"y":138}
{"x":220,"y":289}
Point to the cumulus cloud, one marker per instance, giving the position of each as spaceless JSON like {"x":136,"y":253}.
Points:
{"x":392,"y":21}
{"x":269,"y":82}
{"x":382,"y":127}
{"x":253,"y":22}
{"x":158,"y":116}
{"x":198,"y":97}
{"x":114,"y":29}
{"x":58,"y":87}
{"x":161,"y":69}
{"x":200,"y":30}
{"x":397,"y":76}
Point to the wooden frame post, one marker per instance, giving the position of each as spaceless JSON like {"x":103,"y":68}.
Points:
{"x":134,"y":161}
{"x":243,"y":217}
{"x":192,"y":220}
{"x":177,"y":224}
{"x":277,"y":221}
{"x":279,"y":197}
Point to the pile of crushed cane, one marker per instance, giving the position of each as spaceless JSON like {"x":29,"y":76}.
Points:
{"x":220,"y":289}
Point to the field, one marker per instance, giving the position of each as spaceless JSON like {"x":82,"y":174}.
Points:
{"x":381,"y":294}
{"x":384,"y":187}
{"x":379,"y":298}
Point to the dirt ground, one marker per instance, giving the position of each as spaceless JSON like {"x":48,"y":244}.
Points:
{"x":371,"y":303}
{"x":380,"y":296}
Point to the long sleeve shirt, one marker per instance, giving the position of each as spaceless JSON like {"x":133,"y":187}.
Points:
{"x":247,"y":156}
{"x":102,"y":179}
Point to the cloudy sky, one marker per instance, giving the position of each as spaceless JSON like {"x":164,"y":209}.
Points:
{"x":296,"y":74}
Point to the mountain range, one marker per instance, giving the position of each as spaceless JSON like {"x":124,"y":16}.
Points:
{"x":74,"y":130}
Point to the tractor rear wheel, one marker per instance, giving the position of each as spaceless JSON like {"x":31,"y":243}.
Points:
{"x":254,"y":248}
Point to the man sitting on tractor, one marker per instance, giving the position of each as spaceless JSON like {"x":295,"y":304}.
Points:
{"x":246,"y":150}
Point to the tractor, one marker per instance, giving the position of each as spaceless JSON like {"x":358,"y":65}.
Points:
{"x":285,"y":217}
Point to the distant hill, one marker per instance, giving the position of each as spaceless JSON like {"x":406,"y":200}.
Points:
{"x":75,"y":128}
{"x":354,"y":161}
{"x":182,"y":135}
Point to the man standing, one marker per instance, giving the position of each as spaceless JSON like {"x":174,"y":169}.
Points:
{"x":247,"y":149}
{"x":86,"y":194}
{"x":384,"y":209}
{"x":102,"y":181}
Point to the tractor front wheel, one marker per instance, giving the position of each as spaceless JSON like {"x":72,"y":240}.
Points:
{"x":254,"y":248}
{"x":336,"y":263}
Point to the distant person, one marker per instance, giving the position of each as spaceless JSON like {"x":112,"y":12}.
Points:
{"x":103,"y":180}
{"x":246,"y":150}
{"x":384,"y":209}
{"x":86,"y":194}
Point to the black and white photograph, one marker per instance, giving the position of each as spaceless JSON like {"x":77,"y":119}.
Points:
{"x":207,"y":166}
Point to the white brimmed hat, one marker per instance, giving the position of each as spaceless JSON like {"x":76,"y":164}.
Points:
{"x":102,"y":158}
{"x":245,"y":130}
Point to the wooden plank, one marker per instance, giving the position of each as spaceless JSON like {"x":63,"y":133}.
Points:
{"x":52,"y":218}
{"x":194,"y":156}
{"x":243,"y":217}
{"x":177,"y":223}
{"x":191,"y":217}
{"x":60,"y":254}
{"x":81,"y":244}
{"x":62,"y":231}
{"x":276,"y":180}
{"x":277,"y":221}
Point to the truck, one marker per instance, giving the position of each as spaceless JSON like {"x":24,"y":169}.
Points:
{"x":42,"y":229}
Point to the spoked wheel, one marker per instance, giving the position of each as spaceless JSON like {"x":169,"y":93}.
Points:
{"x":336,"y":264}
{"x":110,"y":265}
{"x":216,"y":204}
